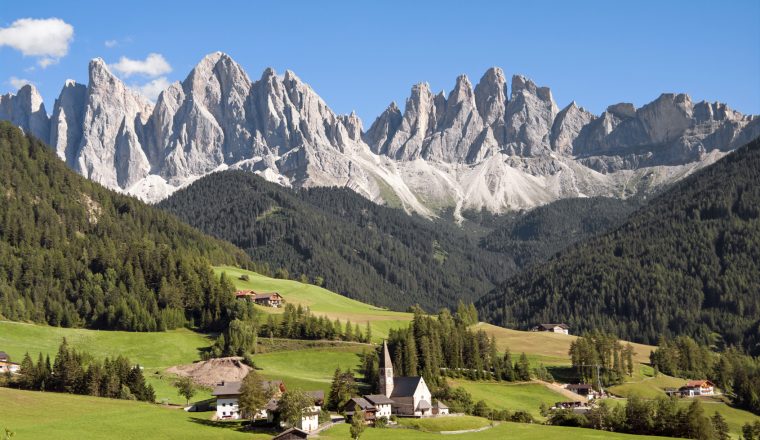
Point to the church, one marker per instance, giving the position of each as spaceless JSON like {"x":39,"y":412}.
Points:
{"x":410,"y":395}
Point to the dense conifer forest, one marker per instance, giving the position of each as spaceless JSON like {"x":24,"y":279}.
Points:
{"x":688,"y":263}
{"x":346,"y":243}
{"x":73,"y":253}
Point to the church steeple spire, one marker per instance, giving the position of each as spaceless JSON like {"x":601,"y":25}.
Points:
{"x":386,"y":372}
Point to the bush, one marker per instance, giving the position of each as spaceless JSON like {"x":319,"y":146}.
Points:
{"x":566,"y":417}
{"x":245,"y":277}
{"x":522,"y":417}
{"x":381,"y":422}
{"x":481,"y":409}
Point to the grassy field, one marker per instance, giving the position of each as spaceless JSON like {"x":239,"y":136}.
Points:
{"x":151,"y":350}
{"x":453,"y":423}
{"x":645,"y":384}
{"x":154,"y":351}
{"x":309,"y":369}
{"x":34,"y":415}
{"x":320,"y":301}
{"x":549,"y":348}
{"x":511,"y":396}
{"x":514,"y":431}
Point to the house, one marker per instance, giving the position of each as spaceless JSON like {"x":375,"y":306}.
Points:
{"x":228,"y":394}
{"x":271,"y":299}
{"x":697,"y":388}
{"x":583,"y":389}
{"x":382,"y":404}
{"x":440,"y":408}
{"x":8,"y":366}
{"x":310,"y":419}
{"x":291,"y":434}
{"x":410,"y":395}
{"x":360,"y":404}
{"x":553,"y":328}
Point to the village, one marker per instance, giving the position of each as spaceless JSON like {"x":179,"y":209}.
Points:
{"x":398,"y":397}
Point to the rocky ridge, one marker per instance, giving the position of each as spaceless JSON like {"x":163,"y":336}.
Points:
{"x":489,"y":146}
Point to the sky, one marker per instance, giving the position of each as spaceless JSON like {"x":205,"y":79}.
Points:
{"x":361,"y":55}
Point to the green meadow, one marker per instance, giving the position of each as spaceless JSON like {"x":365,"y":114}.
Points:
{"x":512,"y":396}
{"x":320,"y":301}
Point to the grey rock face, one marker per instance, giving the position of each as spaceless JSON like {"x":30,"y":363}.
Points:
{"x":112,"y":115}
{"x":567,"y":126}
{"x":26,"y":110}
{"x":66,"y":122}
{"x":530,"y":116}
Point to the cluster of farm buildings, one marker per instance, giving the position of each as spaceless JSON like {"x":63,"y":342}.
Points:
{"x":399,"y":396}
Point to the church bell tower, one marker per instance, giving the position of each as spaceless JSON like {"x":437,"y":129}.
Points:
{"x":386,"y":372}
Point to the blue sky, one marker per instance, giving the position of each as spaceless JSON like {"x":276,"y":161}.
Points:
{"x":360,"y":55}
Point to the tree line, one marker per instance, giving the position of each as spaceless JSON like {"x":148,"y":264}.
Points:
{"x":77,"y":372}
{"x":661,"y":417}
{"x":75,"y":254}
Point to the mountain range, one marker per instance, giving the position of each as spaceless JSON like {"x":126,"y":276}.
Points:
{"x":490,"y":146}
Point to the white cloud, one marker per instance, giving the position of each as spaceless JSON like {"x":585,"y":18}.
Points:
{"x":111,"y":43}
{"x":17,"y":83}
{"x":47,"y":38}
{"x":153,"y":65}
{"x":153,"y":88}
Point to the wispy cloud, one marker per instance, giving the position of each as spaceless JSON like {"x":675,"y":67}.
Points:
{"x":111,"y":43}
{"x":17,"y":83}
{"x":153,"y":65}
{"x":47,"y":39}
{"x":153,"y":88}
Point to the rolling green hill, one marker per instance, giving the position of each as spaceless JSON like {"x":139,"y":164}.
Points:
{"x":75,"y":254}
{"x":686,"y":264}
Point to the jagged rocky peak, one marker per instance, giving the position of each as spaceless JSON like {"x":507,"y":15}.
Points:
{"x":529,"y":118}
{"x":353,"y":125}
{"x":26,"y":110}
{"x":112,"y":117}
{"x":66,"y":121}
{"x":567,"y":126}
{"x":491,"y":96}
{"x":382,"y":130}
{"x":667,"y":117}
{"x":622,"y":110}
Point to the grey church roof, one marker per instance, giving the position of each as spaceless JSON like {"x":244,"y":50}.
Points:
{"x":424,"y":404}
{"x":378,"y":399}
{"x":405,"y":386}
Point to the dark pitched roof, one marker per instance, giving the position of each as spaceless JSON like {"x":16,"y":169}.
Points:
{"x":405,"y":386}
{"x":291,"y":433}
{"x":4,"y":355}
{"x":386,"y":357}
{"x":360,"y":402}
{"x":226,"y":389}
{"x":579,"y":386}
{"x":378,"y":399}
{"x":551,"y":326}
{"x":233,"y":388}
{"x":266,"y":295}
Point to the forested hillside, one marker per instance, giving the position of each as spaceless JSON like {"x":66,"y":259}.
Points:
{"x":73,"y":253}
{"x":377,"y":254}
{"x":686,"y":264}
{"x":342,"y":241}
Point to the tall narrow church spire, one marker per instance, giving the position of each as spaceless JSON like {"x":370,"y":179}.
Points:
{"x":386,"y":372}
